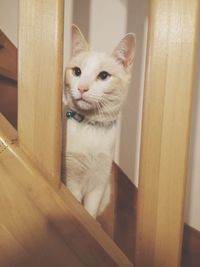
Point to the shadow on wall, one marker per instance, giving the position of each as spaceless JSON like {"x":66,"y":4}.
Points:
{"x":130,"y":132}
{"x":81,"y":16}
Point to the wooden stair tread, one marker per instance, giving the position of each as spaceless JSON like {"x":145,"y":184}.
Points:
{"x":47,"y":226}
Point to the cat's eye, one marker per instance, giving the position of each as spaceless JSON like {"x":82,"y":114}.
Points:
{"x":103,"y":75}
{"x":76,"y":71}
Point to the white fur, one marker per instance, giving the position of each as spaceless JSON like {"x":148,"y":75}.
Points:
{"x":87,"y":158}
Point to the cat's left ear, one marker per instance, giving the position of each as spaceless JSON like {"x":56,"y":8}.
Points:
{"x":125,"y":50}
{"x":79,"y":44}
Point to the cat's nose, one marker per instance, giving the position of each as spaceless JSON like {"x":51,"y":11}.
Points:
{"x":83,"y":89}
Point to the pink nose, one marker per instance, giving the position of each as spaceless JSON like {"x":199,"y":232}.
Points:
{"x":83,"y":89}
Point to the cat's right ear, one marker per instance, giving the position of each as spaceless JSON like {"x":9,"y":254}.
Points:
{"x":125,"y":51}
{"x":79,"y":44}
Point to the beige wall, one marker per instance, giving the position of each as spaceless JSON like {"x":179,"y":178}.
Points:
{"x":9,"y":19}
{"x":104,"y":29}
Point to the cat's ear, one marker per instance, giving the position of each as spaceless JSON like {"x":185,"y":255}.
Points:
{"x":79,"y":44}
{"x":125,"y":50}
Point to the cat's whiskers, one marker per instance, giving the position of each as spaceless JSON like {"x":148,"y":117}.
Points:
{"x":105,"y":106}
{"x":111,"y":113}
{"x":112,"y":94}
{"x":95,"y":100}
{"x":100,"y":112}
{"x":110,"y":105}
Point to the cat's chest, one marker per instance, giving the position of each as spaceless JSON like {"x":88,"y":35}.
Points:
{"x":89,"y":138}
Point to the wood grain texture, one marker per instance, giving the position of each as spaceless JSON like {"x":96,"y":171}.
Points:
{"x":41,"y":225}
{"x":40,"y":83}
{"x":8,"y":58}
{"x":169,"y":81}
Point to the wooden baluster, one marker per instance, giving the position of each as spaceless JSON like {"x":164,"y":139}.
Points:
{"x":40,"y":83}
{"x":172,"y":43}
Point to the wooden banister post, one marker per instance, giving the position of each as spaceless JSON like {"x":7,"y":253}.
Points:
{"x":172,"y":44}
{"x":40,"y":83}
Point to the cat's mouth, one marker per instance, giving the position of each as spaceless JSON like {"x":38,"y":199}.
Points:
{"x":83,"y":103}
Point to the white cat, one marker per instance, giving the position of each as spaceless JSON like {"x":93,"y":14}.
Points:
{"x":96,"y":86}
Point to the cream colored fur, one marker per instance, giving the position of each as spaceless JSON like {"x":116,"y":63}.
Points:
{"x":87,"y":158}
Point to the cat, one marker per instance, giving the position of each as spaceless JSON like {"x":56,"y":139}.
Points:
{"x":96,"y":86}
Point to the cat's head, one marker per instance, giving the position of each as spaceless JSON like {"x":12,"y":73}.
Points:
{"x":97,"y":82}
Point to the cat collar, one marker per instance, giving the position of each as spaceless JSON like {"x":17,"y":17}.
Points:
{"x":80,"y":118}
{"x":73,"y":114}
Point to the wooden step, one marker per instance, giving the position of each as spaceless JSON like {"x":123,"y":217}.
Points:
{"x":41,"y":225}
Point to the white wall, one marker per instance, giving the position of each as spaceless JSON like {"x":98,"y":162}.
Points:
{"x":128,"y":143}
{"x":67,"y":30}
{"x":106,"y":27}
{"x":9,"y":19}
{"x":193,"y":183}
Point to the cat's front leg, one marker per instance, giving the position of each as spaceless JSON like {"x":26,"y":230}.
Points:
{"x":75,"y":189}
{"x":93,"y":199}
